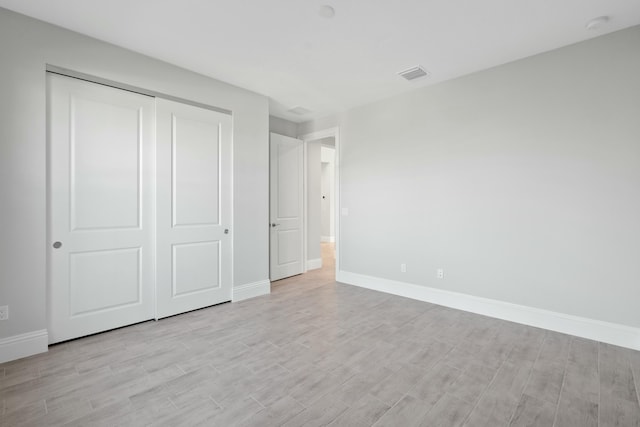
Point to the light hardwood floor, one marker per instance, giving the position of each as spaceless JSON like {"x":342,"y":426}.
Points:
{"x":319,"y":353}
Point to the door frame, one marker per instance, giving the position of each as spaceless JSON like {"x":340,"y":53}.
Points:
{"x":306,"y":139}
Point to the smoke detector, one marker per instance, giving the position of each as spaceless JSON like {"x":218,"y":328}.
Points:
{"x":413,"y":73}
{"x":327,"y":11}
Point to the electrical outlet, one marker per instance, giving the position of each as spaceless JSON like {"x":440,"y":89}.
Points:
{"x":440,"y":273}
{"x":403,"y":268}
{"x":4,"y":312}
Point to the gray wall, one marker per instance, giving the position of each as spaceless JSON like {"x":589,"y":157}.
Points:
{"x":27,"y":46}
{"x":522,"y":182}
{"x":283,"y":127}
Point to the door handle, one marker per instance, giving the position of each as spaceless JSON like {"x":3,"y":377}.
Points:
{"x":274,"y":224}
{"x":57,"y":245}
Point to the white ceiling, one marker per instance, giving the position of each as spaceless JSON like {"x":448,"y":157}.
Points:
{"x":284,"y":49}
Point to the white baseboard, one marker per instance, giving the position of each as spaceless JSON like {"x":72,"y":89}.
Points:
{"x":611,"y":333}
{"x":251,"y":290}
{"x":314,"y":264}
{"x":328,"y":239}
{"x":24,"y":345}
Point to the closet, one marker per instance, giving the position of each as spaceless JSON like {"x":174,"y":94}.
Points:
{"x":139,"y":207}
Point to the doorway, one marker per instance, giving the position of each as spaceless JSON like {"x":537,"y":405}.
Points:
{"x":319,"y":250}
{"x":323,"y":200}
{"x":327,"y":191}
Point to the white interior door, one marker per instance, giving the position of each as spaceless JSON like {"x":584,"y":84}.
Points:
{"x":100,"y":207}
{"x":286,"y":211}
{"x":193,"y":207}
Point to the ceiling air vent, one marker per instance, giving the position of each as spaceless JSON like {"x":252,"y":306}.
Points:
{"x":301,"y":111}
{"x":413,"y":73}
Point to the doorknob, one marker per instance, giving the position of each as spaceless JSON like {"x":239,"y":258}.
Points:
{"x":274,"y":224}
{"x":57,"y":245}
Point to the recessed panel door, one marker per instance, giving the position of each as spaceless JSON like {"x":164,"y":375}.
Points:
{"x":193,"y":207}
{"x":100,"y":203}
{"x":286,"y":199}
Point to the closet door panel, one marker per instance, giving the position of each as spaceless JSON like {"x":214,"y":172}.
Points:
{"x":194,"y":207}
{"x":100,"y":207}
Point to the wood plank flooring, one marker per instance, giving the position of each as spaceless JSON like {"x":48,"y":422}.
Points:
{"x":318,"y":353}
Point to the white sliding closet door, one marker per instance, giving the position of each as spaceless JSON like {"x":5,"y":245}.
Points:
{"x":194,"y":254}
{"x":100,"y":207}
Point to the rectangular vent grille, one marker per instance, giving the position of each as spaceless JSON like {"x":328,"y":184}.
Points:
{"x":413,"y":73}
{"x":301,"y":111}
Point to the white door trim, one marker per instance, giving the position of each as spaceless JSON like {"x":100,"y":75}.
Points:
{"x":313,"y":136}
{"x":305,"y":200}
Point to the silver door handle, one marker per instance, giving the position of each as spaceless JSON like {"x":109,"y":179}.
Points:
{"x":274,"y":224}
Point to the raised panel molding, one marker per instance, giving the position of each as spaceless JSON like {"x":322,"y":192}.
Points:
{"x":105,"y":165}
{"x":103,"y":280}
{"x":202,"y":272}
{"x":611,"y":333}
{"x":195,"y":170}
